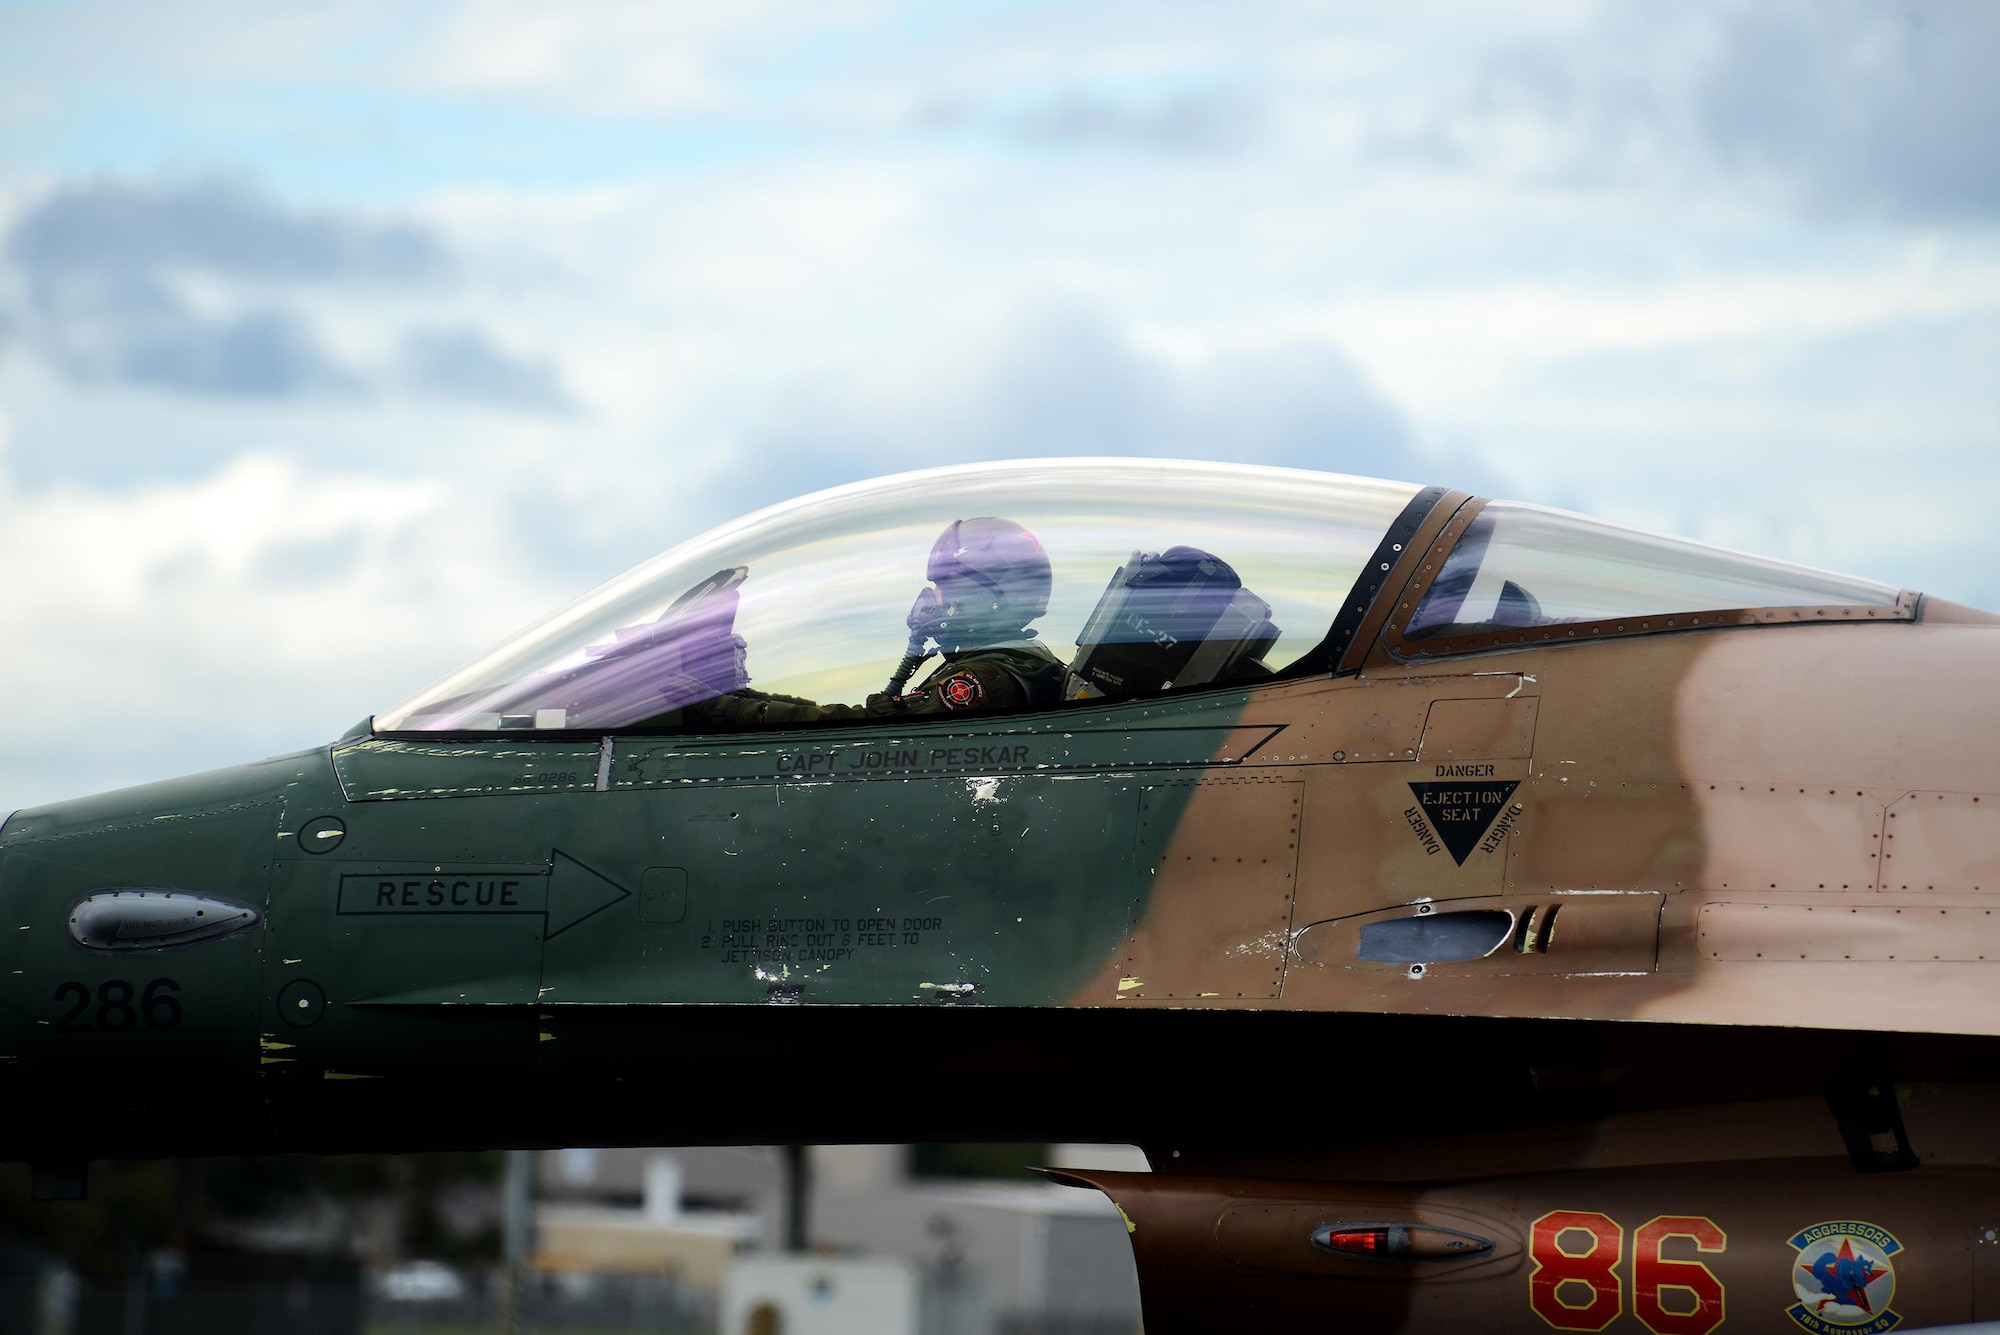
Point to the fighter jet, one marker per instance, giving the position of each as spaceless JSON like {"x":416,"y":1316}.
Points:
{"x":1485,"y":917}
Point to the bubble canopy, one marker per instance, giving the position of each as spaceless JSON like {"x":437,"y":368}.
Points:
{"x":811,"y":598}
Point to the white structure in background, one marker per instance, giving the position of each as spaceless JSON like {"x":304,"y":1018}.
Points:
{"x":989,"y":1249}
{"x":660,"y":1198}
{"x":985,"y":1255}
{"x":584,"y":1224}
{"x":813,"y":1295}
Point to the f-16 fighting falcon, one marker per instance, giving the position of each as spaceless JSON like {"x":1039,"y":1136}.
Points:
{"x":1485,"y":917}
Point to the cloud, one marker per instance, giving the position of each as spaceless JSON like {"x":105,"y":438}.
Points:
{"x":137,"y":331}
{"x":208,"y":289}
{"x":463,"y":363}
{"x":620,"y":59}
{"x":185,"y":287}
{"x":1191,"y":121}
{"x":110,"y":228}
{"x":1837,"y":109}
{"x":1589,"y":245}
{"x":1892,"y":107}
{"x":1072,"y":382}
{"x":265,"y":605}
{"x":1069,"y":381}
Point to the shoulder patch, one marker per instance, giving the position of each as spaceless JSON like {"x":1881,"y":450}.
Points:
{"x":961,"y":690}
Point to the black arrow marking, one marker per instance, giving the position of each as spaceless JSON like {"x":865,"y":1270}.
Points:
{"x":576,"y":892}
{"x":565,"y":892}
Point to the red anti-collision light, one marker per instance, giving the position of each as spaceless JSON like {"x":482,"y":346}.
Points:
{"x":1408,"y":1243}
{"x":1355,"y":1241}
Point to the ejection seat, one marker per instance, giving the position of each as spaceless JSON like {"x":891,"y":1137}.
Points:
{"x":1173,"y":619}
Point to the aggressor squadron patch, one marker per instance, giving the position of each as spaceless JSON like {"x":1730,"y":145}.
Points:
{"x":1844,"y":1279}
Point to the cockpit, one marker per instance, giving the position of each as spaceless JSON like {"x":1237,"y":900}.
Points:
{"x":1144,"y":577}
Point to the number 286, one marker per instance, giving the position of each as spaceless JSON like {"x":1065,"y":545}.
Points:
{"x":120,"y":1005}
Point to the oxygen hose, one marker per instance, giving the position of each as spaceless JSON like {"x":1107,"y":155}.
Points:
{"x":913,"y":658}
{"x":925,"y":619}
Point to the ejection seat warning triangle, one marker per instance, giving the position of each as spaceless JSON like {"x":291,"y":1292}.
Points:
{"x":1461,"y":811}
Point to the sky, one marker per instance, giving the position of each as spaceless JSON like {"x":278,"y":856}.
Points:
{"x":339,"y":342}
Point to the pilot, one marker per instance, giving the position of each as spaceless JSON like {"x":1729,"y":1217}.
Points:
{"x":989,"y":579}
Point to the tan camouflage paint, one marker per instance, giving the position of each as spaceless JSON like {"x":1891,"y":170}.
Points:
{"x":1739,"y":824}
{"x":1751,"y":824}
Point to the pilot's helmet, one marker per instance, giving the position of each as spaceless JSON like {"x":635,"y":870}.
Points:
{"x":991,"y":574}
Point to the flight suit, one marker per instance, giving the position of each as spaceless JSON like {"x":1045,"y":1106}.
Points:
{"x":1022,"y":674}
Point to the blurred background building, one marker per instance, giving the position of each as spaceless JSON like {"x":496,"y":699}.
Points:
{"x":897,"y":1240}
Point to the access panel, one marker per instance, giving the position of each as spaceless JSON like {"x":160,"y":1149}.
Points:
{"x":1212,"y":911}
{"x":997,"y":889}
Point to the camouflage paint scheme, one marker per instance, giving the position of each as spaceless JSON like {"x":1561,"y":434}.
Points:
{"x":1747,"y":986}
